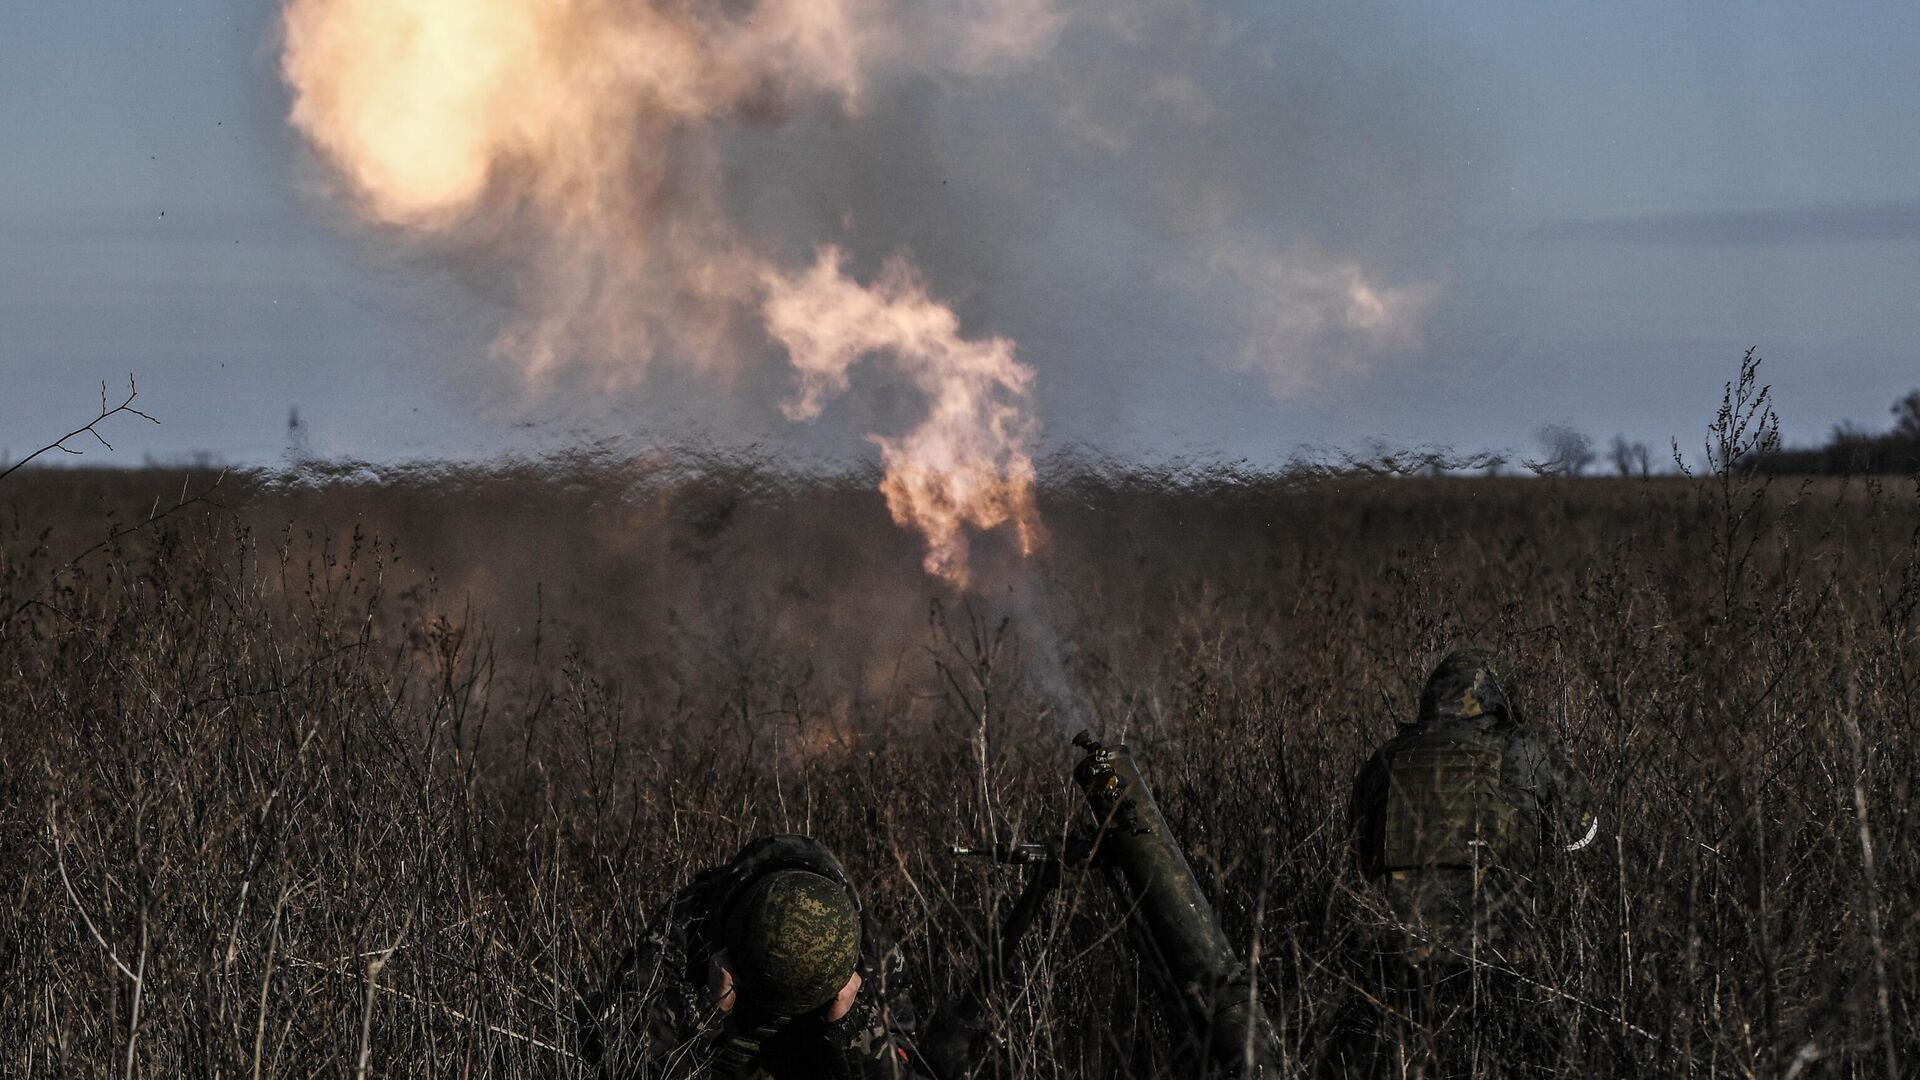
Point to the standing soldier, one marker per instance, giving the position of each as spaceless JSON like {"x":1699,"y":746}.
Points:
{"x":1455,"y":821}
{"x":764,"y":967}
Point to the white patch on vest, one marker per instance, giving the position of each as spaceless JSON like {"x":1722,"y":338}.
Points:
{"x":1593,"y":830}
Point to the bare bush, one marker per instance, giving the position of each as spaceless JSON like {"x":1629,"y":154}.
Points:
{"x":1566,"y":451}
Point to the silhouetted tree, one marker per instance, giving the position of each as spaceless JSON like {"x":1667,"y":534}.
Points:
{"x":1906,"y":416}
{"x":1568,"y":452}
{"x":1631,"y":458}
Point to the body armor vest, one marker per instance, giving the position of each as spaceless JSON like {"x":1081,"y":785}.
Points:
{"x":1448,"y":806}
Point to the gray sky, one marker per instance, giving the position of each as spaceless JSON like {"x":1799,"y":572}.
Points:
{"x":1613,"y":199}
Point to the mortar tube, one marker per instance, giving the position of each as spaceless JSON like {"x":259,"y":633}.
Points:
{"x":1214,"y":994}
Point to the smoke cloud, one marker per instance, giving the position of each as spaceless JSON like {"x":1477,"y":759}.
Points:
{"x":800,"y":202}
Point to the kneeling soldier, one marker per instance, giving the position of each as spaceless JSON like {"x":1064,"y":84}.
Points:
{"x":766,"y":966}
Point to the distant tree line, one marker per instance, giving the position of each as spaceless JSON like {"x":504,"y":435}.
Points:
{"x":1851,"y":448}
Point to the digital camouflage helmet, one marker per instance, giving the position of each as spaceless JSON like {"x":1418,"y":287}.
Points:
{"x":792,"y":940}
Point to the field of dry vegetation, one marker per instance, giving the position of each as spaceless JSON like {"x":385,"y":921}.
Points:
{"x":377,"y":777}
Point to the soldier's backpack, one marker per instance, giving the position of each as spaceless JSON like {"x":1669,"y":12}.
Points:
{"x":1448,"y":807}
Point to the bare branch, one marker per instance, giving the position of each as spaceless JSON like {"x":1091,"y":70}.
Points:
{"x":60,"y":859}
{"x":91,"y":427}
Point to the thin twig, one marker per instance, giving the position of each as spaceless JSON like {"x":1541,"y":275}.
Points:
{"x":266,"y":981}
{"x":1868,"y":874}
{"x":444,"y":1010}
{"x":373,"y":983}
{"x":59,"y":858}
{"x":139,"y":986}
{"x":91,"y":427}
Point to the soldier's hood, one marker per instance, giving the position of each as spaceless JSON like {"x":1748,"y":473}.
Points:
{"x":1465,"y":686}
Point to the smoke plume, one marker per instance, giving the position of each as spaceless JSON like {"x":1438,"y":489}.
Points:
{"x":882,"y":192}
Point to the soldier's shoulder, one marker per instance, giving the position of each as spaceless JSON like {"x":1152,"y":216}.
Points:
{"x":1535,"y":757}
{"x":684,"y":924}
{"x":1525,"y":738}
{"x":1372,"y":772}
{"x":692,"y":900}
{"x":1404,"y":735}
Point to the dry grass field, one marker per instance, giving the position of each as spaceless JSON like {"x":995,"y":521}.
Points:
{"x":375,"y":776}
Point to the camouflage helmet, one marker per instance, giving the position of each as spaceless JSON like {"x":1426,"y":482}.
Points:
{"x":793,"y":940}
{"x":1468,"y":683}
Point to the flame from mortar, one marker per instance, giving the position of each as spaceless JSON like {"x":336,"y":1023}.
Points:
{"x":967,"y":463}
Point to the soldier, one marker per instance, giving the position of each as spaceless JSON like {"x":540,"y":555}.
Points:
{"x":1455,"y":821}
{"x":767,"y":966}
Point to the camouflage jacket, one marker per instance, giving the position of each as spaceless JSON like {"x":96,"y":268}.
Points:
{"x":1455,"y":820}
{"x":655,"y":1018}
